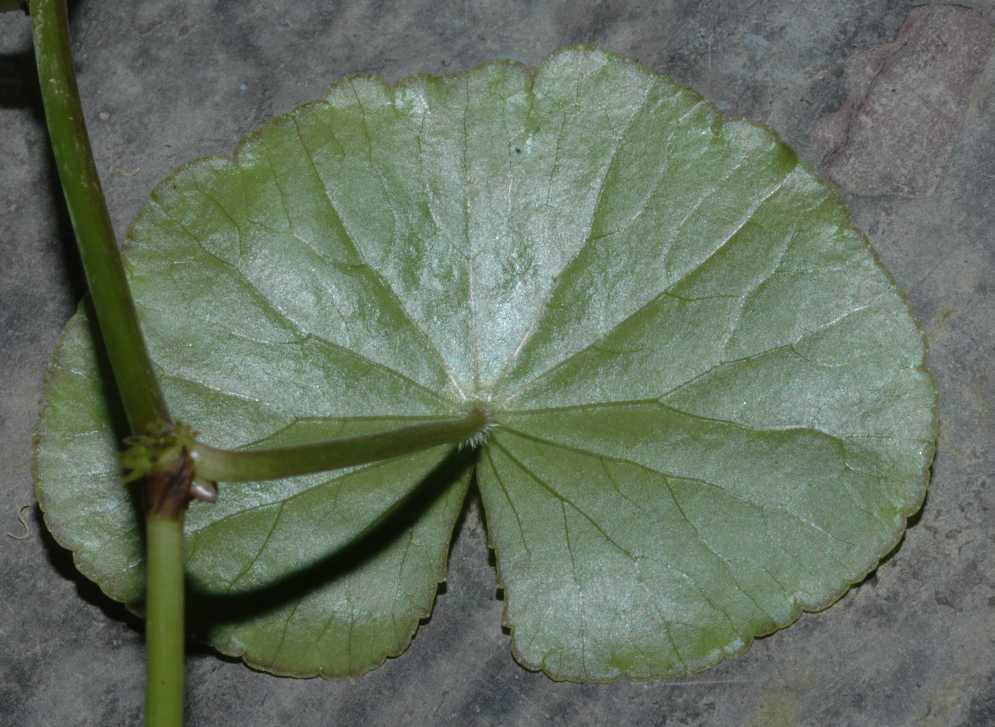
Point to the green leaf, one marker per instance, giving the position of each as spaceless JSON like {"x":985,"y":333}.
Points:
{"x":710,"y":405}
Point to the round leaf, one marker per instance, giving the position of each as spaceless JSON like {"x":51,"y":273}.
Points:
{"x":709,"y":401}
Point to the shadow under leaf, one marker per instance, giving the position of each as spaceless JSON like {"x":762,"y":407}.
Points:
{"x":205,"y":610}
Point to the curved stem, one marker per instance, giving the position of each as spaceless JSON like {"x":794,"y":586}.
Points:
{"x":117,"y":320}
{"x":268,"y":464}
{"x":164,"y":632}
{"x":136,"y":381}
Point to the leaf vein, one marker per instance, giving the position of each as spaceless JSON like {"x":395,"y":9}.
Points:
{"x":642,"y":309}
{"x":725,"y":490}
{"x":292,"y":327}
{"x":393,"y":298}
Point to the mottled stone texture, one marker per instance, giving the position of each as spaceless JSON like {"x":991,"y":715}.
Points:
{"x":907,"y":101}
{"x":894,"y":99}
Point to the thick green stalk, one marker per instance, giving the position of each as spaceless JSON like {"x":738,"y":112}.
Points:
{"x":266,"y":464}
{"x":164,"y":621}
{"x":136,"y":381}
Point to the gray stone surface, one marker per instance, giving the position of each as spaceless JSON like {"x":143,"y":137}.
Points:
{"x":896,"y":102}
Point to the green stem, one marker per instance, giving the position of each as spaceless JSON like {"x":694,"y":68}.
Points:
{"x":164,"y":622}
{"x":267,"y":464}
{"x":116,"y":317}
{"x":136,"y":382}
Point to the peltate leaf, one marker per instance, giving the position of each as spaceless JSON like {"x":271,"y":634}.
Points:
{"x":710,"y":405}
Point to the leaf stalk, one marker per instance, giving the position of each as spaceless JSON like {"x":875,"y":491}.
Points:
{"x":267,"y":464}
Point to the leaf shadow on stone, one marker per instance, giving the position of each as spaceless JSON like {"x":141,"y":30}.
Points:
{"x":19,"y":89}
{"x":871,"y":579}
{"x":497,"y":593}
{"x":19,"y":83}
{"x":61,"y":561}
{"x":206,"y":611}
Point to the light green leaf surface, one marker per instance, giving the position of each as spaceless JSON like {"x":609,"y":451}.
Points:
{"x":710,"y":403}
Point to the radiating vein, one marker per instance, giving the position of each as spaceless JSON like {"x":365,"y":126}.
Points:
{"x":392,"y":297}
{"x":564,"y":500}
{"x":599,"y":199}
{"x":645,"y":306}
{"x":636,"y":463}
{"x":301,"y":334}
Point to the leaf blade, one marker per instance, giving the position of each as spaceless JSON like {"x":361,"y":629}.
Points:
{"x":710,"y":402}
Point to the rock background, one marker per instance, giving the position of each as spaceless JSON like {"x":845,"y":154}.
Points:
{"x":893,"y":100}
